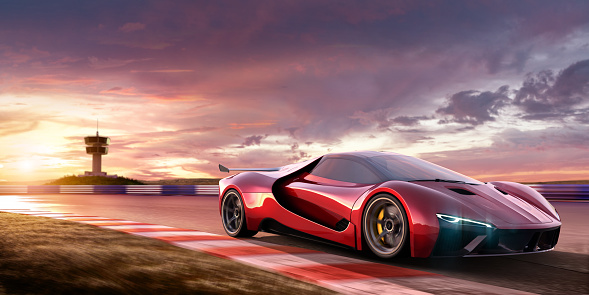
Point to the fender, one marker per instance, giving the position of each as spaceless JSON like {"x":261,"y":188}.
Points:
{"x":222,"y":193}
{"x":423,"y":226}
{"x":421,"y":205}
{"x":528,"y":194}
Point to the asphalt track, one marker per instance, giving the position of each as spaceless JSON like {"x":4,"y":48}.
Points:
{"x":562,"y":271}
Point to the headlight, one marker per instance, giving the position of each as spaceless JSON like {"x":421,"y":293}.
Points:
{"x":462,"y":221}
{"x":555,"y":212}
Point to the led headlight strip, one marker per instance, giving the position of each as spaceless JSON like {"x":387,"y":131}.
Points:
{"x":460,"y":220}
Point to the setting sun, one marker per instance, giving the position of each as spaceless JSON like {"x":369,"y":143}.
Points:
{"x":27,"y":166}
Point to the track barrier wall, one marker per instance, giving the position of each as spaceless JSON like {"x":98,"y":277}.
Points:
{"x":200,"y":190}
{"x":550,"y":191}
{"x":563,"y":191}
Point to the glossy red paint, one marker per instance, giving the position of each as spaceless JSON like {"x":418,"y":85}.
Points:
{"x":528,"y":194}
{"x":423,"y":226}
{"x":330,"y":200}
{"x":271,"y":208}
{"x":314,"y":205}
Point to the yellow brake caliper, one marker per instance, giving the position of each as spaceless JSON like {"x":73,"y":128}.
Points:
{"x":378,"y":224}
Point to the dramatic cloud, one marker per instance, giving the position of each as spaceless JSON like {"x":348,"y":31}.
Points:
{"x":408,"y":121}
{"x":181,"y":86}
{"x":473,"y":107}
{"x":544,"y":96}
{"x":253,"y":140}
{"x":383,"y":120}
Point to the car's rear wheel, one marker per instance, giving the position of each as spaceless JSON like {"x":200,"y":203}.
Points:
{"x":385,"y":226}
{"x":233,"y":215}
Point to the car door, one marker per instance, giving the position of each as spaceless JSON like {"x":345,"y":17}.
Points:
{"x":326,"y":194}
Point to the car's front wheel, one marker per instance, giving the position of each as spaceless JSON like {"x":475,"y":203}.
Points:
{"x":233,"y":215}
{"x":385,"y":226}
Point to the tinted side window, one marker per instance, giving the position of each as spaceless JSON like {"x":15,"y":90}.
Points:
{"x":345,"y":170}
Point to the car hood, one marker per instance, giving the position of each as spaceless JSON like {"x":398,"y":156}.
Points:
{"x":490,"y":203}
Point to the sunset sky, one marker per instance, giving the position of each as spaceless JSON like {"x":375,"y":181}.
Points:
{"x":497,"y":90}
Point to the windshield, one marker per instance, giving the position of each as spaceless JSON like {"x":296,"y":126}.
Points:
{"x":399,"y":167}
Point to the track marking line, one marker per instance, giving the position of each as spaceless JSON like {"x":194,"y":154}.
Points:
{"x":277,"y":261}
{"x":173,"y":233}
{"x":200,"y":245}
{"x":148,"y":229}
{"x":112,"y":222}
{"x":235,"y":252}
{"x":192,"y":238}
{"x":339,"y":273}
{"x":323,"y":272}
{"x":125,"y":227}
{"x":116,"y":223}
{"x":89,"y":218}
{"x":69,"y":218}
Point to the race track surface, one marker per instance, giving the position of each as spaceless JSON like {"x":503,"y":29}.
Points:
{"x":562,"y":271}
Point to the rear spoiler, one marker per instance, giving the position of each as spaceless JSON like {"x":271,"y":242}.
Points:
{"x":225,"y":169}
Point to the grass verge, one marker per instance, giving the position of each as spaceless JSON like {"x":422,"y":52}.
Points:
{"x":41,"y":255}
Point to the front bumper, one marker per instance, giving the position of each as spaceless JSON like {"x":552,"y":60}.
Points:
{"x":468,"y":240}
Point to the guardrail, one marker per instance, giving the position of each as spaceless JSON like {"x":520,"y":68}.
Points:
{"x":563,"y":191}
{"x":200,"y":190}
{"x":550,"y":191}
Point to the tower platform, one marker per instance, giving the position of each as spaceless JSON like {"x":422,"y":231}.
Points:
{"x":97,"y":146}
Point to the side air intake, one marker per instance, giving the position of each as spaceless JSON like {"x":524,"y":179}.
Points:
{"x":342,"y":225}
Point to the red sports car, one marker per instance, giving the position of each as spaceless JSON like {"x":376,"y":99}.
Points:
{"x":388,"y":204}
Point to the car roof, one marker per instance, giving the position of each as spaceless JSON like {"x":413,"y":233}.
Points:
{"x":362,"y":154}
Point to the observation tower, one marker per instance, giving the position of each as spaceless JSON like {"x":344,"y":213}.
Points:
{"x":97,"y":146}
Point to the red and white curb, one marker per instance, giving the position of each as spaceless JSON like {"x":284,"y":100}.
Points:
{"x":342,"y":274}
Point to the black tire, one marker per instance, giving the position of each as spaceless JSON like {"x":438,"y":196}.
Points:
{"x":385,"y":229}
{"x":233,"y":215}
